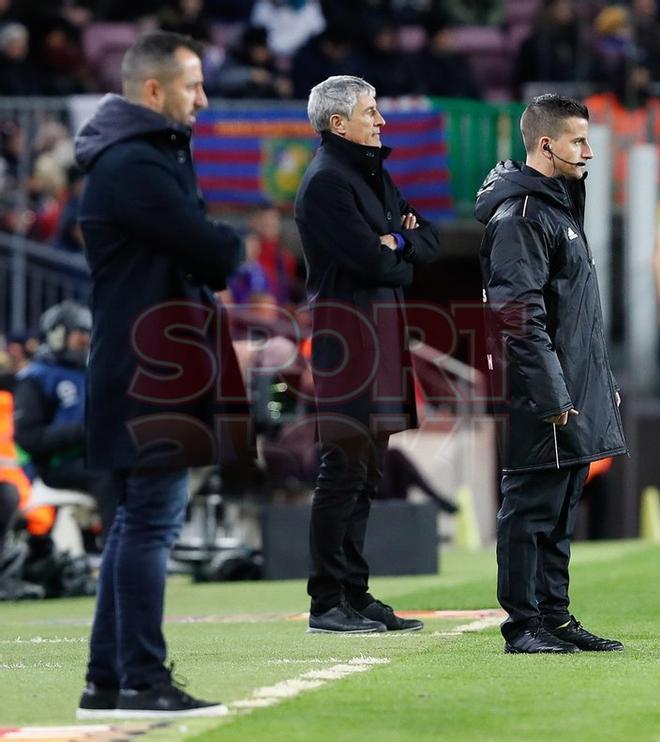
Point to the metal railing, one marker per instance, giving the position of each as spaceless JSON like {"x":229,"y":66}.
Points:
{"x":33,"y":277}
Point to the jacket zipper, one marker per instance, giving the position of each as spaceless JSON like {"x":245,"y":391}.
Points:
{"x":554,"y":433}
{"x":573,"y":213}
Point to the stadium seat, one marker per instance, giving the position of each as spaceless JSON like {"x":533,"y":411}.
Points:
{"x":224,"y":35}
{"x":104,"y":45}
{"x":412,"y":38}
{"x":494,"y":75}
{"x":521,"y":11}
{"x":479,"y":39}
{"x":517,"y":33}
{"x":491,"y":54}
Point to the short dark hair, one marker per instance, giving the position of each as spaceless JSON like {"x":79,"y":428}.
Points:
{"x":545,"y":116}
{"x":153,"y":55}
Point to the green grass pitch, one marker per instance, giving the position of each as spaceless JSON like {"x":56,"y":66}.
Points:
{"x":230,"y":639}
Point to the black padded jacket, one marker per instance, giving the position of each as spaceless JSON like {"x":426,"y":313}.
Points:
{"x":545,"y":342}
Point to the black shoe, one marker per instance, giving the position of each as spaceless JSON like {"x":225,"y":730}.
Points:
{"x":378,"y":611}
{"x":162,"y":701}
{"x":574,"y":633}
{"x":97,"y":702}
{"x":342,"y":619}
{"x":538,"y":641}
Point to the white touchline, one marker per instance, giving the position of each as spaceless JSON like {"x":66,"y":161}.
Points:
{"x":270,"y":695}
{"x":335,"y":672}
{"x":311,"y":661}
{"x":480,"y":624}
{"x":68,"y":733}
{"x":42,"y":640}
{"x":467,"y":628}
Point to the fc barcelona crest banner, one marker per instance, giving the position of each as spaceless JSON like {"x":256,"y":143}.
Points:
{"x":247,"y":156}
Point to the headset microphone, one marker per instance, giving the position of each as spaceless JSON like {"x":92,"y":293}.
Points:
{"x":568,"y":162}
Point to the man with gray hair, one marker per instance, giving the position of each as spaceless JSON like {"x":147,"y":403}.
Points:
{"x":360,"y":239}
{"x":17,"y":74}
{"x":159,"y":346}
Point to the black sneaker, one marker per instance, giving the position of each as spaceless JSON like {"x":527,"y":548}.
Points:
{"x":342,"y":619}
{"x":97,"y":702}
{"x":162,"y":701}
{"x":384,"y":613}
{"x":575,"y":633}
{"x":538,"y":641}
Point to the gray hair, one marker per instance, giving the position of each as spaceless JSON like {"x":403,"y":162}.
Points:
{"x":13,"y":31}
{"x":337,"y":94}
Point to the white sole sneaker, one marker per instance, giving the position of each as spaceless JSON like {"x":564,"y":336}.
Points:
{"x":349,"y":631}
{"x":87,"y":714}
{"x":219,"y":709}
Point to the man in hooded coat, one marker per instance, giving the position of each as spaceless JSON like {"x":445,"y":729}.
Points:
{"x":163,"y":380}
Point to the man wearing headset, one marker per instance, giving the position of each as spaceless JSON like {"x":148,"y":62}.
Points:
{"x":549,"y":368}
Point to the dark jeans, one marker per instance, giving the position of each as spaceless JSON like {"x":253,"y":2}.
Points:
{"x":348,"y":478}
{"x":127,"y":647}
{"x":534,"y":529}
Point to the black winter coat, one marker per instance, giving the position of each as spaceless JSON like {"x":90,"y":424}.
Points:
{"x":362,"y":368}
{"x":546,"y":347}
{"x":162,"y":367}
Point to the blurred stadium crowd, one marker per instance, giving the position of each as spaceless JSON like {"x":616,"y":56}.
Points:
{"x":278,"y":49}
{"x":281,"y":48}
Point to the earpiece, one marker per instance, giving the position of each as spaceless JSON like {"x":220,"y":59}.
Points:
{"x":579,"y":163}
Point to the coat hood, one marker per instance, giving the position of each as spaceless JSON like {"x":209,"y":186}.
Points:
{"x":514,"y":179}
{"x":116,"y":120}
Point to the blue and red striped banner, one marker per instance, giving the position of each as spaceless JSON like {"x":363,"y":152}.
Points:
{"x":244,"y":157}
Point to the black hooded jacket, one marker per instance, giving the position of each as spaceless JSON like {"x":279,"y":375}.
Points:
{"x":159,"y":343}
{"x":545,"y":341}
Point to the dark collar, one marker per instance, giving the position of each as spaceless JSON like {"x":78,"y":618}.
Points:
{"x":573,"y":189}
{"x":360,"y":156}
{"x":529,"y":170}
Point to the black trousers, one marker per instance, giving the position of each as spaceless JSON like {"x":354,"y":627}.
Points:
{"x":348,"y":478}
{"x":534,"y":529}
